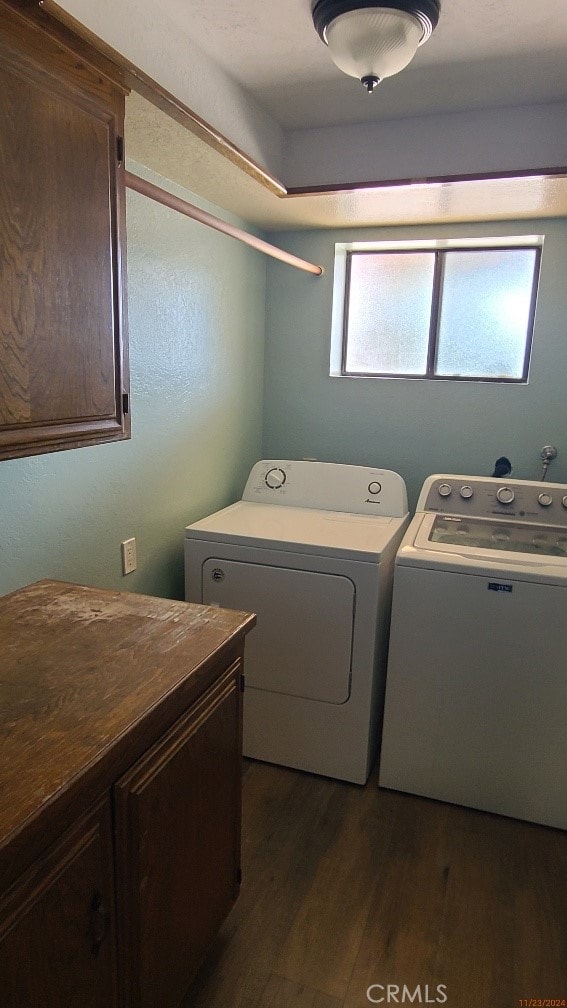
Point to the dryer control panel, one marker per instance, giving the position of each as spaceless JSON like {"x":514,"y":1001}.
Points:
{"x":327,"y":486}
{"x":480,"y":497}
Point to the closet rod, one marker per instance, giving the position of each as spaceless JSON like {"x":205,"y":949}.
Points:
{"x":190,"y":210}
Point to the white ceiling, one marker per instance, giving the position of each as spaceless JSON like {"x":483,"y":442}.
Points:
{"x":483,"y":53}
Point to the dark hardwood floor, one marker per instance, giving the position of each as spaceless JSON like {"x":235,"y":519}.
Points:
{"x":346,"y":887}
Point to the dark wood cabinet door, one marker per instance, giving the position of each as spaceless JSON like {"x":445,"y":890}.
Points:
{"x":57,"y":933}
{"x":178,"y":847}
{"x":63,"y":377}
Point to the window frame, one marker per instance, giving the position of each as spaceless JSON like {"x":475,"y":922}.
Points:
{"x":440,"y":251}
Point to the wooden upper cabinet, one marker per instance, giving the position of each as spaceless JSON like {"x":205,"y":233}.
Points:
{"x":63,"y":359}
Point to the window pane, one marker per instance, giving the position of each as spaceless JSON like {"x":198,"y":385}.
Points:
{"x":485,"y":313}
{"x":388,"y":312}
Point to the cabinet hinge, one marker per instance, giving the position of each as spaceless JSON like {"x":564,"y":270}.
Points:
{"x":242,"y":682}
{"x":120,"y":149}
{"x":125,"y":402}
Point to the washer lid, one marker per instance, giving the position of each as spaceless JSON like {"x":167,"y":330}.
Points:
{"x":293,"y":529}
{"x":498,"y":535}
{"x":485,"y":546}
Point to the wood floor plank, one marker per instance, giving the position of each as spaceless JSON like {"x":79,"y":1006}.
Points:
{"x":268,"y":794}
{"x":345,"y":887}
{"x":475,"y":946}
{"x":505,"y":924}
{"x":293,"y":835}
{"x":539,"y":869}
{"x":282,"y":993}
{"x":323,"y":943}
{"x":245,"y":990}
{"x":401,"y":938}
{"x":468,"y":900}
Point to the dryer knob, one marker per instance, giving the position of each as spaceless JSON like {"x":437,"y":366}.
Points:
{"x":374,"y":488}
{"x":275,"y":478}
{"x":564,"y":502}
{"x":466,"y":492}
{"x":505,"y":495}
{"x":445,"y":490}
{"x":545,"y":499}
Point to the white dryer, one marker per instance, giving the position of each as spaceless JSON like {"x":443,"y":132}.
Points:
{"x":310,"y":549}
{"x":476,"y":696}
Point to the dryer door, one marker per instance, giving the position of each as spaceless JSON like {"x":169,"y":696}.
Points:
{"x":302,"y":644}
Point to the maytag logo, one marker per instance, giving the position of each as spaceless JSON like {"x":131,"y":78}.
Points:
{"x":394,"y":994}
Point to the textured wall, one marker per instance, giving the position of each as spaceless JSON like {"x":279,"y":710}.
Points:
{"x":196,"y":309}
{"x":414,"y":427}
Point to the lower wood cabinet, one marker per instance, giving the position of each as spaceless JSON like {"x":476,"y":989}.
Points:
{"x":57,"y":934}
{"x":174,"y":865}
{"x":120,"y":793}
{"x":178,"y":848}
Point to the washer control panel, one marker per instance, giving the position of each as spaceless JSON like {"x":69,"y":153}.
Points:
{"x":481,"y":497}
{"x":327,"y":486}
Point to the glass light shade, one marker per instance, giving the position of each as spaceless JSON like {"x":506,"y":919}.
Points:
{"x":376,"y":41}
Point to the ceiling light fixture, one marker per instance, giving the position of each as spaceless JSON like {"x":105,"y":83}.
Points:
{"x":372,"y":40}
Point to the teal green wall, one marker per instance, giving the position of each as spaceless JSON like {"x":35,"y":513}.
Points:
{"x":198,"y":309}
{"x":414,"y":427}
{"x":196,"y":317}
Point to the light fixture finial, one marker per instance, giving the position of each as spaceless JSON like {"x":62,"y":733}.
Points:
{"x":370,"y":82}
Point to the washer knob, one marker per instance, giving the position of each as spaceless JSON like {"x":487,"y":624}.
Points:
{"x":466,"y":492}
{"x":545,"y":499}
{"x":445,"y":490}
{"x":375,"y":487}
{"x":505,"y":495}
{"x":275,"y":478}
{"x":564,"y":501}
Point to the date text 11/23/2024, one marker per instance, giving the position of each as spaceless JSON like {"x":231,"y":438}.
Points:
{"x":542,"y":1002}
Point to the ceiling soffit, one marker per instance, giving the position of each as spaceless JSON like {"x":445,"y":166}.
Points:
{"x":163,"y":145}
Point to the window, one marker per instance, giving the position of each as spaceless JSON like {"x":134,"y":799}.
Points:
{"x":437,"y":310}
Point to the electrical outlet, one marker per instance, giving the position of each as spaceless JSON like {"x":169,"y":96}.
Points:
{"x":129,"y":558}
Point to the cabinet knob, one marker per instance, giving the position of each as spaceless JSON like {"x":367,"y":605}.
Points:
{"x":99,"y":922}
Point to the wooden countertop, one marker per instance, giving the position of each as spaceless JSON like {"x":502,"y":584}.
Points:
{"x":89,"y":679}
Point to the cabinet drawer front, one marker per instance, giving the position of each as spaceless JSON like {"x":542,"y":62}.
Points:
{"x":57,"y":934}
{"x":178,"y":847}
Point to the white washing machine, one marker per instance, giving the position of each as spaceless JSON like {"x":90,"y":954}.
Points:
{"x":476,"y":695}
{"x":310,"y":548}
